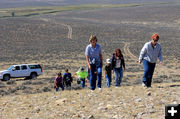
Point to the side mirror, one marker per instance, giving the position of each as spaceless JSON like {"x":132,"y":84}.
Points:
{"x":13,"y":69}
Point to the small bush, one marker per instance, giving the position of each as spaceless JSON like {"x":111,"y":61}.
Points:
{"x":27,"y":83}
{"x":11,"y":82}
{"x":23,"y":88}
{"x":2,"y":92}
{"x":37,"y":91}
{"x":37,"y":83}
{"x":27,"y":91}
{"x":2,"y":84}
{"x":46,"y":89}
{"x":12,"y":90}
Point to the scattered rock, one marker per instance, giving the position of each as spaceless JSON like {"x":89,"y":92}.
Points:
{"x":91,"y":117}
{"x":149,"y":93}
{"x":138,"y":100}
{"x":61,"y":101}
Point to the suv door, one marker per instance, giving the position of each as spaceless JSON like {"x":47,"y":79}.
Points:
{"x":24,"y":71}
{"x":15,"y":71}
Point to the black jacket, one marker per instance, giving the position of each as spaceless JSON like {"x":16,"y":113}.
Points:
{"x":113,"y":62}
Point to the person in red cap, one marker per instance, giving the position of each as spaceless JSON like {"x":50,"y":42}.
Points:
{"x":148,"y":55}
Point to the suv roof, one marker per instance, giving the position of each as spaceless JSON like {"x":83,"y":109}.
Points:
{"x":24,"y":64}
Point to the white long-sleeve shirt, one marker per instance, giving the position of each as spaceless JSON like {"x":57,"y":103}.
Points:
{"x":151,"y":54}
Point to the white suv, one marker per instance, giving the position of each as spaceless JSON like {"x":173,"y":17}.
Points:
{"x":21,"y":70}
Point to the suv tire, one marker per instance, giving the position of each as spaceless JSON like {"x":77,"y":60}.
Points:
{"x":6,"y":77}
{"x":33,"y":75}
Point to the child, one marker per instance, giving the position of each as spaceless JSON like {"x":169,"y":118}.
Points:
{"x":58,"y":82}
{"x":108,"y":72}
{"x":82,"y":75}
{"x":67,"y":78}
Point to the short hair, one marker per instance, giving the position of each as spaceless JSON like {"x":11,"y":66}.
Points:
{"x":155,"y":36}
{"x":59,"y":74}
{"x":66,"y":70}
{"x":92,"y":37}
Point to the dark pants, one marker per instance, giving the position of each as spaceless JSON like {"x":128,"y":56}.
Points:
{"x":68,"y":83}
{"x":148,"y":72}
{"x":59,"y":85}
{"x":93,"y":76}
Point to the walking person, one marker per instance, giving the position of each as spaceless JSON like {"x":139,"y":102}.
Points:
{"x":67,"y":78}
{"x":148,"y":56}
{"x":82,"y":75}
{"x":94,"y":60}
{"x":58,"y":82}
{"x":118,"y":64}
{"x":108,"y":73}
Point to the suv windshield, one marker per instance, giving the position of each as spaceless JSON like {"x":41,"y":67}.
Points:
{"x":10,"y":68}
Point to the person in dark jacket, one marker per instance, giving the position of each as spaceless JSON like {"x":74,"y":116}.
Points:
{"x":118,"y":64}
{"x":67,"y":78}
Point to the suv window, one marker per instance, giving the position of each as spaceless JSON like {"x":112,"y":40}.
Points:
{"x":17,"y":67}
{"x":24,"y":67}
{"x":34,"y":66}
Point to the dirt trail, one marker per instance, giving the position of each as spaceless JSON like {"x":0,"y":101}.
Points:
{"x":69,"y":30}
{"x":69,"y":35}
{"x":128,"y":52}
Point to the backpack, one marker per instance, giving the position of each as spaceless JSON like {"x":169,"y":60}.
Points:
{"x":67,"y":77}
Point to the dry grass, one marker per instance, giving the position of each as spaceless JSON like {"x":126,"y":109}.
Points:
{"x":124,"y":102}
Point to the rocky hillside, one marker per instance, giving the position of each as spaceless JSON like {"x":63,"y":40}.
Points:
{"x":126,"y":102}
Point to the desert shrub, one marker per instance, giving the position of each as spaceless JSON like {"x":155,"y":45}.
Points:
{"x":76,"y":87}
{"x":37,"y":91}
{"x":11,"y":90}
{"x":126,"y":83}
{"x":46,"y":89}
{"x":51,"y":81}
{"x":10,"y":82}
{"x":2,"y":84}
{"x":137,"y":81}
{"x":27,"y":83}
{"x":2,"y":92}
{"x":132,"y":69}
{"x":27,"y":91}
{"x":163,"y":76}
{"x":22,"y":87}
{"x":37,"y":83}
{"x":125,"y":79}
{"x":157,"y":80}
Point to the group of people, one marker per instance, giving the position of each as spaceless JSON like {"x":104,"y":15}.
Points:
{"x":61,"y":81}
{"x":66,"y":80}
{"x":148,"y":56}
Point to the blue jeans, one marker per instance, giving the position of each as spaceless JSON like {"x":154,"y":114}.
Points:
{"x":93,"y":77}
{"x":82,"y":82}
{"x":108,"y":78}
{"x":57,"y":88}
{"x":118,"y":76}
{"x":148,"y":72}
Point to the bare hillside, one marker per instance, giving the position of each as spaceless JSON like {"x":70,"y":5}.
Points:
{"x":126,"y":102}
